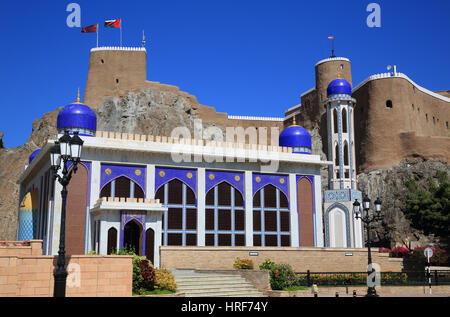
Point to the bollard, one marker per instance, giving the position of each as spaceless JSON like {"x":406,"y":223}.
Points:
{"x":354,"y":293}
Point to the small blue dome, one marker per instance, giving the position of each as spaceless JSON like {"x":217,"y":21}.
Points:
{"x":339,"y":86}
{"x":77,"y":117}
{"x":33,"y":155}
{"x":296,"y":137}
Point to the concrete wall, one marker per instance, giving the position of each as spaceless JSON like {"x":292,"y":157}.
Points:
{"x":301,"y":259}
{"x":23,"y":272}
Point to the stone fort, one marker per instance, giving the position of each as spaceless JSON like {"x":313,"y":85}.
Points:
{"x":395,"y":118}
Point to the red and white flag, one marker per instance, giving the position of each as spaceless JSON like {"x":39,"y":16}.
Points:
{"x":112,"y":23}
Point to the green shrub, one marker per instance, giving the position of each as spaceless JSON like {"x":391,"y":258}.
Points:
{"x":164,"y":280}
{"x":281,"y":275}
{"x":143,"y":274}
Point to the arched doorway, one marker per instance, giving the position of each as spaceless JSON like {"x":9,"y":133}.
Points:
{"x":132,"y":236}
{"x":76,"y":212}
{"x":112,"y":241}
{"x":150,"y":245}
{"x":337,"y":225}
{"x":305,"y":212}
{"x":28,"y":215}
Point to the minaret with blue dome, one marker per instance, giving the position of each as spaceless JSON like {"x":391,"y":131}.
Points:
{"x":77,"y":117}
{"x":342,"y":229}
{"x":296,"y":137}
{"x":340,"y":106}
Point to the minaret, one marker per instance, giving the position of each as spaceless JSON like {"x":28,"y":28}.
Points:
{"x":342,"y":229}
{"x":340,"y":106}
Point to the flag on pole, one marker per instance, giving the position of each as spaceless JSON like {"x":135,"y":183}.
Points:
{"x":332,"y":45}
{"x":90,"y":29}
{"x":112,"y":23}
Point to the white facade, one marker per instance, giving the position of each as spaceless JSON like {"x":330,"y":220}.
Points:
{"x":265,"y":215}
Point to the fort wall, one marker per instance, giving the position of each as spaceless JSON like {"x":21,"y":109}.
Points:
{"x":395,"y":119}
{"x":414,"y":125}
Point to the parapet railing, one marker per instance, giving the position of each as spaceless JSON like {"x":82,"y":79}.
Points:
{"x":128,"y":200}
{"x":278,"y":119}
{"x":400,"y":75}
{"x":187,"y":141}
{"x":118,"y":48}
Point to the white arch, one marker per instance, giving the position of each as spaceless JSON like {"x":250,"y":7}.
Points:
{"x":337,"y":228}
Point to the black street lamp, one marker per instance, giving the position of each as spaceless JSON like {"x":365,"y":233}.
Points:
{"x":68,"y":149}
{"x":367,"y":219}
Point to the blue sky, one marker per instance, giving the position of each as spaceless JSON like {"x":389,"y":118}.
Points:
{"x":243,"y":57}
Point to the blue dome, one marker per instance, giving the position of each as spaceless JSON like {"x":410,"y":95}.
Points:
{"x":33,"y":155}
{"x":77,"y":117}
{"x":296,"y":137}
{"x":339,"y":86}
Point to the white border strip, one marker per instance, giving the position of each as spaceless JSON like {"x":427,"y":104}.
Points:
{"x":118,"y":48}
{"x":256,"y":118}
{"x":332,"y":59}
{"x":400,"y":75}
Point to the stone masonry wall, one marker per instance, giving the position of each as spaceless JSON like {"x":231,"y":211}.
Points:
{"x":301,"y":259}
{"x":89,"y":276}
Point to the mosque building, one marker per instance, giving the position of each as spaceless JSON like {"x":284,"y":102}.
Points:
{"x":129,"y":191}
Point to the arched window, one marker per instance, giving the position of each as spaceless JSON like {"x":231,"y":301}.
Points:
{"x":225,"y":216}
{"x":122,"y":187}
{"x":346,"y":157}
{"x":336,"y":155}
{"x":335,"y":120}
{"x":344,"y":121}
{"x":271,"y":220}
{"x":389,"y":103}
{"x":179,"y":225}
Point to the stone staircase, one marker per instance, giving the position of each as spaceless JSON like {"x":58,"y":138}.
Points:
{"x":213,"y":284}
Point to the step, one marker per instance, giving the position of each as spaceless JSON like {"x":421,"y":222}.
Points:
{"x":210,"y":284}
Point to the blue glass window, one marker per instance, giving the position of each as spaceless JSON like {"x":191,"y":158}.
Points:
{"x":225,"y":216}
{"x":179,"y":224}
{"x":122,"y":187}
{"x":271,"y":219}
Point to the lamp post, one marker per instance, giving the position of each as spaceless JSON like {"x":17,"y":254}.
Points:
{"x":68,"y":149}
{"x":367,"y":219}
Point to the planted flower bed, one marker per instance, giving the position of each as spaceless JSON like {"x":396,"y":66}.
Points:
{"x":440,"y":256}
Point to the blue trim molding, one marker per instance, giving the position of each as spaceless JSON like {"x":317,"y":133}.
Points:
{"x":235,"y":179}
{"x":165,"y":175}
{"x":279,"y":181}
{"x":109,"y":172}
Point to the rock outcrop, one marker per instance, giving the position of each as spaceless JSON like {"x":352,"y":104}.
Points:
{"x":389,"y":185}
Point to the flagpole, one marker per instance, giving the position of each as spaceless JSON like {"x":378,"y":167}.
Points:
{"x":97,"y":34}
{"x":120,"y":32}
{"x":332,"y":47}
